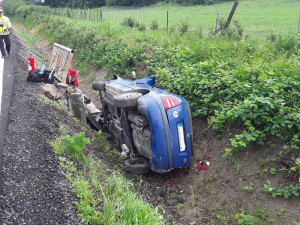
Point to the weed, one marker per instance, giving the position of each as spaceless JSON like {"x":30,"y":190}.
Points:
{"x":183,"y":27}
{"x":129,"y":22}
{"x":286,"y":192}
{"x":154,"y":25}
{"x":141,"y":26}
{"x":248,"y":188}
{"x":72,"y":145}
{"x":63,"y":129}
{"x":245,"y":219}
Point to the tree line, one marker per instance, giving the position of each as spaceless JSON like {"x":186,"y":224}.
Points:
{"x":99,"y":3}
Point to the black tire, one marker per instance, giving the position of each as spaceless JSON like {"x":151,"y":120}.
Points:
{"x":126,"y":100}
{"x":137,"y":166}
{"x":99,"y":86}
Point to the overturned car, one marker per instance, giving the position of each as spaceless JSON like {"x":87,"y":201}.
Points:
{"x":153,"y":127}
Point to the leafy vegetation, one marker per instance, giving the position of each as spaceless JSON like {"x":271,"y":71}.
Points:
{"x":105,"y":197}
{"x":288,"y":191}
{"x":72,"y":145}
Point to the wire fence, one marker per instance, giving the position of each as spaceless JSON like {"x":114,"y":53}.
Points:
{"x":257,"y":19}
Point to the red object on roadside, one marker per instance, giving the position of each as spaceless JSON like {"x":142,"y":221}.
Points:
{"x":72,"y":78}
{"x":202,"y":164}
{"x":30,"y":64}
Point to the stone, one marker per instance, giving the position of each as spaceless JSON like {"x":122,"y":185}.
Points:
{"x":76,"y":106}
{"x":159,"y":191}
{"x":62,"y":87}
{"x":70,"y":90}
{"x":52,"y":92}
{"x":63,"y":102}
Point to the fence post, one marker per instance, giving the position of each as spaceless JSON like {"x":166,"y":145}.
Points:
{"x":167,"y":21}
{"x":231,"y":13}
{"x":84,"y":13}
{"x":217,"y":21}
{"x":137,"y":15}
{"x":89,"y":16}
{"x":299,"y":26}
{"x":116,"y":15}
{"x":101,"y":16}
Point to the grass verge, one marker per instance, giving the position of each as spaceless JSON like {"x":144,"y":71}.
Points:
{"x":105,"y":197}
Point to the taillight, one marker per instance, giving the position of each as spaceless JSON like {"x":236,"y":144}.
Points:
{"x":169,"y":102}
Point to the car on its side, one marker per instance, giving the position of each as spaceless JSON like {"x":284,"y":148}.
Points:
{"x":153,"y":127}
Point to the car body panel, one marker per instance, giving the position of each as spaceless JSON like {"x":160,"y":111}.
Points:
{"x":166,"y":154}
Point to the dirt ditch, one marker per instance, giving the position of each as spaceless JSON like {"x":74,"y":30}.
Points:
{"x":188,"y":195}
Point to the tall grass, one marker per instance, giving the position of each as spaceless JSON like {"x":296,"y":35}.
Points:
{"x":108,"y":198}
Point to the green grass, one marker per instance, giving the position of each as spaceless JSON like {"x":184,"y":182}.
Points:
{"x":105,"y":197}
{"x":259,"y":17}
{"x":31,"y":39}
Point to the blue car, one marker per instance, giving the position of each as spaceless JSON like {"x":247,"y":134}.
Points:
{"x":153,"y":127}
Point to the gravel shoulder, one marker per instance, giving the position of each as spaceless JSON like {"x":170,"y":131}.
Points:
{"x":35,"y":190}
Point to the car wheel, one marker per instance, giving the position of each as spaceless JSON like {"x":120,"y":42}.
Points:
{"x":126,"y":100}
{"x":99,"y":86}
{"x":137,"y":166}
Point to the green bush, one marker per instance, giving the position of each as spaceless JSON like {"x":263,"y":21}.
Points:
{"x":75,"y":145}
{"x":26,"y":10}
{"x":129,"y":22}
{"x":234,"y":31}
{"x":11,"y":6}
{"x":141,"y":26}
{"x":183,"y":26}
{"x":154,"y":25}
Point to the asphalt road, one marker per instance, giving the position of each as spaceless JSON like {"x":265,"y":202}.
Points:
{"x":6,"y":92}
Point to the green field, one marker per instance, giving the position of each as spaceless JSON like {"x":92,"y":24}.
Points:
{"x":258,"y":17}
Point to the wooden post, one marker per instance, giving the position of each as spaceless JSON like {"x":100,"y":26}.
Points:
{"x":217,"y":21}
{"x":167,"y":21}
{"x":137,"y":15}
{"x":116,"y":15}
{"x":101,"y":16}
{"x":84,"y":13}
{"x":231,"y":13}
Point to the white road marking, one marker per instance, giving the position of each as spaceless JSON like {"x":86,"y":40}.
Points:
{"x":1,"y":81}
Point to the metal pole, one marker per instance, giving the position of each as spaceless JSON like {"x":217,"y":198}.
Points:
{"x":231,"y":13}
{"x":217,"y":21}
{"x":116,"y":15}
{"x":167,"y":21}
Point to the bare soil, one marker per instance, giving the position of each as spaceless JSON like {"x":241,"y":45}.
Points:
{"x":216,"y":195}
